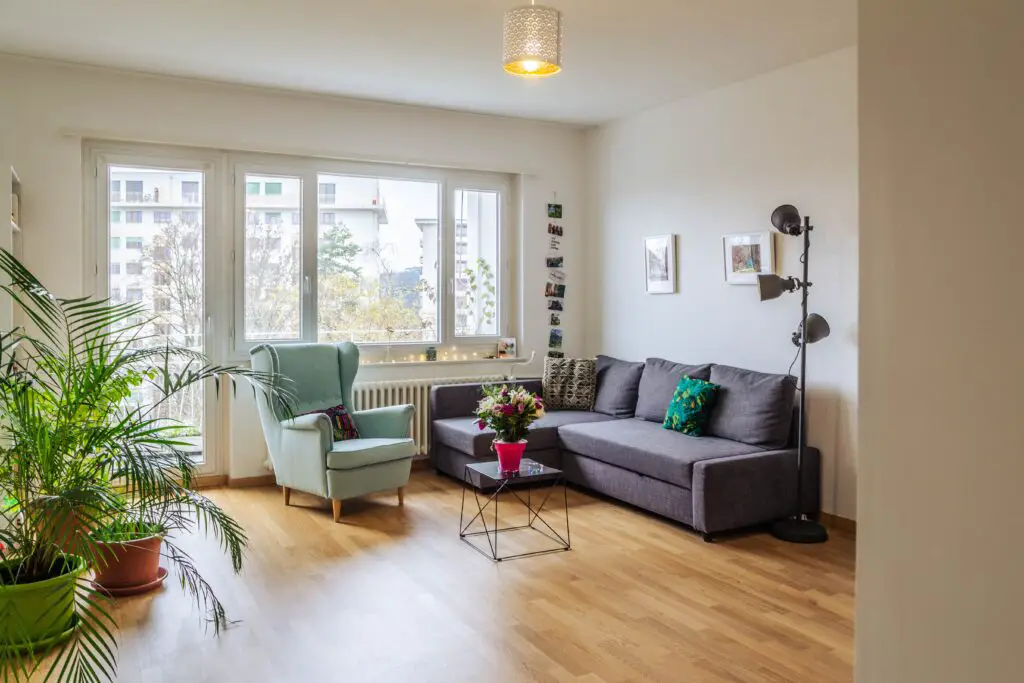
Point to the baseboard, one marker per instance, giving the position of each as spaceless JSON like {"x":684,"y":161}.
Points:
{"x":250,"y":482}
{"x":839,"y":523}
{"x":211,"y":481}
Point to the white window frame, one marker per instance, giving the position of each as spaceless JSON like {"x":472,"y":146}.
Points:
{"x":309,"y":169}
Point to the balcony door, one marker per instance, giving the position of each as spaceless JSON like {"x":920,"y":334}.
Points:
{"x":153,"y":251}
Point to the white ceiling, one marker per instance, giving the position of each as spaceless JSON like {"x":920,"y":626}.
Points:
{"x":620,"y":56}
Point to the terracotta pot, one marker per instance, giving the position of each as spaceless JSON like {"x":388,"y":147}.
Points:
{"x":66,"y":528}
{"x":510,"y":455}
{"x":129,"y":564}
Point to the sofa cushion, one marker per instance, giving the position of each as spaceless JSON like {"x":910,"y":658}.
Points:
{"x":658,"y":383}
{"x":355,"y":453}
{"x":618,"y":382}
{"x":691,"y":406}
{"x":753,"y":407}
{"x":647,"y":448}
{"x":463,"y":434}
{"x":569,"y":383}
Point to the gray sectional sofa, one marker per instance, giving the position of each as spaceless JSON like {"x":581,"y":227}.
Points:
{"x":743,"y":473}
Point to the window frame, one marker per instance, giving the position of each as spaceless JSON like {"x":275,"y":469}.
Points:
{"x":309,"y":169}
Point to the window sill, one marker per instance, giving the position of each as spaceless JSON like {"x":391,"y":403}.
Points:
{"x":469,"y":361}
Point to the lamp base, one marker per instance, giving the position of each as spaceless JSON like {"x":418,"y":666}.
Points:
{"x":799,"y":530}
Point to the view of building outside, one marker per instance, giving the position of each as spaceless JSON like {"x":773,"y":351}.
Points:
{"x":156,"y":258}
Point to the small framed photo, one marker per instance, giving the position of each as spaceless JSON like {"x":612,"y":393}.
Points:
{"x":554,"y":210}
{"x":555,"y":261}
{"x":554,"y":305}
{"x":660,"y":264}
{"x":556,"y":319}
{"x":507,"y":347}
{"x":746,"y":255}
{"x":551,"y":290}
{"x":555,"y":339}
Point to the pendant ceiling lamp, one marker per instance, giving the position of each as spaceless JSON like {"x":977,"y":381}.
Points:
{"x":533,"y":41}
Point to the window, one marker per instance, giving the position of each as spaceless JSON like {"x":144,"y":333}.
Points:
{"x":133,"y":216}
{"x":161,"y":278}
{"x":161,"y":304}
{"x":385,"y":249}
{"x":189,"y":217}
{"x":272,"y":268}
{"x":328,"y":193}
{"x":115,"y":216}
{"x":115,"y":268}
{"x":115,"y":242}
{"x":372,"y":284}
{"x":133,"y":294}
{"x":115,"y":190}
{"x":115,"y":294}
{"x":133,"y":268}
{"x":190,"y":191}
{"x":272,"y":189}
{"x":161,"y":216}
{"x":134,"y":190}
{"x":133,"y":243}
{"x":477,"y":263}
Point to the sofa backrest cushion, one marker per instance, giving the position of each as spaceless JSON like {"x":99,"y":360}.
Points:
{"x":570,"y":383}
{"x":618,"y":383}
{"x":658,"y":384}
{"x":754,"y":408}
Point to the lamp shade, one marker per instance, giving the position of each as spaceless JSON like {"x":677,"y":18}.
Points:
{"x":816,"y":329}
{"x":786,"y":220}
{"x":770,"y":286}
{"x":533,"y":41}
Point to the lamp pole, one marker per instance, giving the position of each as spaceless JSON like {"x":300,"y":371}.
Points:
{"x":798,"y":528}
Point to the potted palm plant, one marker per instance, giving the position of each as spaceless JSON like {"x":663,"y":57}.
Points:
{"x":84,"y":471}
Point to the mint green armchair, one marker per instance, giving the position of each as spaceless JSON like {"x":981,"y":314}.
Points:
{"x":302,"y":447}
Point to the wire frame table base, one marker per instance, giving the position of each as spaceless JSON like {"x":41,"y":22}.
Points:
{"x":486,"y":501}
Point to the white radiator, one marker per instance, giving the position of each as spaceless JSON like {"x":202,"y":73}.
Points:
{"x":415,"y":391}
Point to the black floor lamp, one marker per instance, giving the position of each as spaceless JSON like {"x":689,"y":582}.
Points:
{"x":798,"y":528}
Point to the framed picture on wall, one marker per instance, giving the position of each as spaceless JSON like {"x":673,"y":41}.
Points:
{"x":746,"y":255}
{"x":660,"y":264}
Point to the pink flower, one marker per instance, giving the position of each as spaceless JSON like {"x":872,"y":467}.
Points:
{"x":522,"y":408}
{"x":508,"y":410}
{"x":480,"y":424}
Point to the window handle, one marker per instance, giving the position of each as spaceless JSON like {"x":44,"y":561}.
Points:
{"x":306,"y":286}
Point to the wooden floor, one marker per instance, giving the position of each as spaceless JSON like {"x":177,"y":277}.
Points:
{"x":391,"y":594}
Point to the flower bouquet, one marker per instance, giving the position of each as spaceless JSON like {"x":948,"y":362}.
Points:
{"x":509,"y":411}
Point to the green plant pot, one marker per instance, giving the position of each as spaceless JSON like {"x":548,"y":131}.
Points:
{"x":36,"y":616}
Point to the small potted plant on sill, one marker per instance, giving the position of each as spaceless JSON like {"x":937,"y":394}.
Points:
{"x":509,"y":411}
{"x":81,"y":463}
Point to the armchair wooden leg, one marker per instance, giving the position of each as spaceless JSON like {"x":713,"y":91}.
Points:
{"x":287,"y":494}
{"x":401,"y":495}
{"x":336,"y":506}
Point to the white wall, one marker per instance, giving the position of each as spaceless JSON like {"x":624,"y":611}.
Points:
{"x":940,"y":556}
{"x":719,"y":163}
{"x":59,"y":105}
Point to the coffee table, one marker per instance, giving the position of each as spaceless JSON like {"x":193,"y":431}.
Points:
{"x":488,"y":483}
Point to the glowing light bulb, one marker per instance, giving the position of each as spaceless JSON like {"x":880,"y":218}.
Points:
{"x":529,"y":65}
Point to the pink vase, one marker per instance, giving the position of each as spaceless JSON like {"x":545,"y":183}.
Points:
{"x":510,"y":455}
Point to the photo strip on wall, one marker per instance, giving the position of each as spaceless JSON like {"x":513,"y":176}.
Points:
{"x":554,"y":286}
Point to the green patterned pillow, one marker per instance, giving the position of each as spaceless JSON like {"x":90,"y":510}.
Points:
{"x":691,"y":406}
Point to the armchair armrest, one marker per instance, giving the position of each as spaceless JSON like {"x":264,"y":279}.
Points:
{"x":313,"y":422}
{"x":391,"y":422}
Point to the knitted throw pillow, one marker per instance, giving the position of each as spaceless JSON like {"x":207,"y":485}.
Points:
{"x":570,"y":383}
{"x":341,"y":422}
{"x":691,"y":406}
